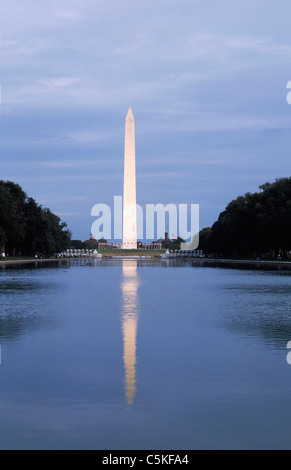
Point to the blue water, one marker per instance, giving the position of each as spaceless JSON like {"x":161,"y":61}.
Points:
{"x":144,"y":355}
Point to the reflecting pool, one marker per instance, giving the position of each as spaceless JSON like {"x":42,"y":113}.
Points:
{"x":137,"y":354}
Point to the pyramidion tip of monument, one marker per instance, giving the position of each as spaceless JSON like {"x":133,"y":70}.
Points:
{"x":129,"y":113}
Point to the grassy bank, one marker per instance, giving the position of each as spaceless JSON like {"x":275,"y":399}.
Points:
{"x":24,"y":259}
{"x":117,"y":252}
{"x":105,"y":253}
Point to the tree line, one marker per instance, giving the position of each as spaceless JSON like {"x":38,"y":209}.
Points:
{"x":94,"y":244}
{"x":27,"y":228}
{"x":254,"y":225}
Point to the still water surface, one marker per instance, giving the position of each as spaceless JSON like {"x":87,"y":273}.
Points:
{"x":144,"y":355}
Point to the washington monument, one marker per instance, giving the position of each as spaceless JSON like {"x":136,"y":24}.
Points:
{"x":129,"y":238}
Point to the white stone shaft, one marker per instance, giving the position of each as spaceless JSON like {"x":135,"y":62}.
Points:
{"x":129,"y":185}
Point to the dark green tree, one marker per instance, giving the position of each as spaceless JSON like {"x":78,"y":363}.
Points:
{"x":25,"y":227}
{"x":257,"y":224}
{"x":90,"y":244}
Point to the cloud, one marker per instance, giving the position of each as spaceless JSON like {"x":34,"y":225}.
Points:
{"x":46,"y":91}
{"x":122,"y":54}
{"x":261,"y":45}
{"x":73,"y":16}
{"x":66,"y":164}
{"x":53,"y":84}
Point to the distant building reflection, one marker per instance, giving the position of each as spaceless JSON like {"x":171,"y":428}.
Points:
{"x":129,"y":326}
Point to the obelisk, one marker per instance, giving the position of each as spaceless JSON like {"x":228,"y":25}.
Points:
{"x":129,"y":239}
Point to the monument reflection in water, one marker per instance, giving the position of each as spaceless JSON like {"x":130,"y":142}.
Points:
{"x":129,"y":325}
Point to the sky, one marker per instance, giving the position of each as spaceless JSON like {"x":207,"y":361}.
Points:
{"x":206,"y":81}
